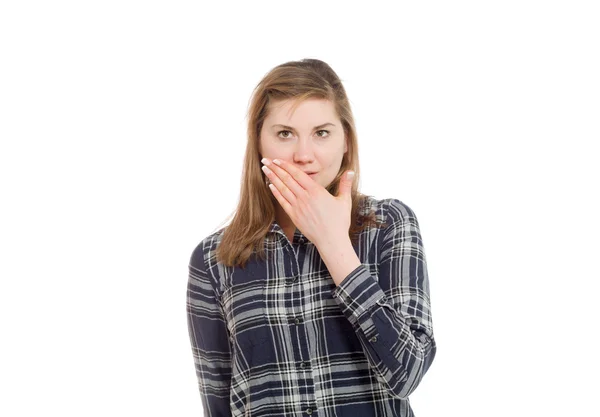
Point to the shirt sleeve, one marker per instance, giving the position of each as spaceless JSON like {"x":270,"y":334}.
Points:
{"x":395,"y":326}
{"x":209,"y":339}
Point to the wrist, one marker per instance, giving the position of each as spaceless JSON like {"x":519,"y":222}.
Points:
{"x":339,"y":258}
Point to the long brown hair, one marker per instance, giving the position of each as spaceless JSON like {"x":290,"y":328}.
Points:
{"x":298,"y":80}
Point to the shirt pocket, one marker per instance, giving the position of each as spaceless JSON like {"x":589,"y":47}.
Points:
{"x":245,"y":308}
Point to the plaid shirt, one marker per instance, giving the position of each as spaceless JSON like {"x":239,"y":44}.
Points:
{"x":279,"y":338}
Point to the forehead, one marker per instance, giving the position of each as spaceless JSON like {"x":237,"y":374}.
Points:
{"x":290,"y":110}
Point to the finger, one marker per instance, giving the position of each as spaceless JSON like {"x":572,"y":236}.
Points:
{"x":285,"y":184}
{"x":300,"y":183}
{"x":280,"y":187}
{"x":284,"y":203}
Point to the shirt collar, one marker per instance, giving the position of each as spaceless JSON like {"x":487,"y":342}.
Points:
{"x":298,"y":236}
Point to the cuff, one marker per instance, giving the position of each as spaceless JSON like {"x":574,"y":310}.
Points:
{"x":357,"y":294}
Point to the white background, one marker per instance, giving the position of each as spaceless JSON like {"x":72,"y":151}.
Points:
{"x":122,"y":127}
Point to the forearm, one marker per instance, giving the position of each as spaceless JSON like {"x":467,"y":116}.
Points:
{"x":340,"y":258}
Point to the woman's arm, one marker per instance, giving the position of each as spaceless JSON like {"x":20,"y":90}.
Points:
{"x":209,"y":339}
{"x":395,"y":327}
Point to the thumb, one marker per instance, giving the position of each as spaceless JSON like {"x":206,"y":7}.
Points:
{"x":345,"y":188}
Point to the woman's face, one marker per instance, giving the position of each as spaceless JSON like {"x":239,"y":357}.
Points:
{"x":312,"y":138}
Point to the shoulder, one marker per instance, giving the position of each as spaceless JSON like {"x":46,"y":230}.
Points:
{"x":392,"y":210}
{"x":397,"y":210}
{"x":205,"y":250}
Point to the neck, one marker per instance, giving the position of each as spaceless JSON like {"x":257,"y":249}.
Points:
{"x":283,"y":219}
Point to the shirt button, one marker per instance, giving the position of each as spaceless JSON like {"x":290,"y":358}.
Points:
{"x":373,"y":339}
{"x":303,"y":365}
{"x":298,"y":320}
{"x":309,"y":411}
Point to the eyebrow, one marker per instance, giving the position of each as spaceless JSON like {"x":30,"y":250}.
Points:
{"x":316,"y":127}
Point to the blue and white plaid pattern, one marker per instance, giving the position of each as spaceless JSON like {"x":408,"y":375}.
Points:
{"x":279,"y":338}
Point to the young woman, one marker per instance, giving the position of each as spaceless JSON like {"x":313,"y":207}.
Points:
{"x":314,"y":300}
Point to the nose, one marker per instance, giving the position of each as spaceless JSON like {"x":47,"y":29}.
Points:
{"x":304,"y":151}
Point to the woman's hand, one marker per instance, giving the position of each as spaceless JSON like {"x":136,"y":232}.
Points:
{"x":321,"y":217}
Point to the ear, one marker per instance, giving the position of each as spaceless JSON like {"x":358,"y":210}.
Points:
{"x":345,"y":144}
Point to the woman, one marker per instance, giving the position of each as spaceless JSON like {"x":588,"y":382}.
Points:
{"x":315,"y":299}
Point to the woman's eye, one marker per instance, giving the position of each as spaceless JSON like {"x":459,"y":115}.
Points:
{"x":287,"y":131}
